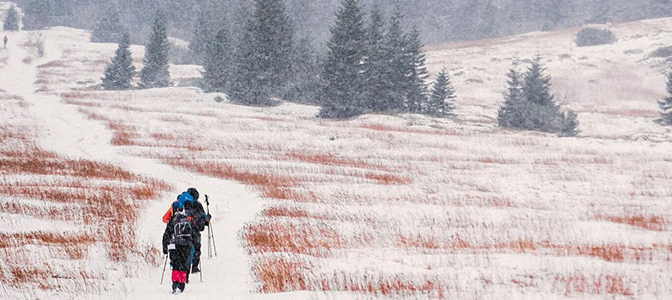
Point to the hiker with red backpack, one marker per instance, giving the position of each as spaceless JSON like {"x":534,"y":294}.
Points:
{"x":178,"y":241}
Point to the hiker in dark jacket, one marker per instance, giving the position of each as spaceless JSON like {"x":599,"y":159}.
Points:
{"x":178,"y":240}
{"x":200,"y":219}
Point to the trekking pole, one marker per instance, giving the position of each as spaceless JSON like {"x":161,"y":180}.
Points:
{"x":164,"y":268}
{"x":211,"y":234}
{"x":200,"y":266}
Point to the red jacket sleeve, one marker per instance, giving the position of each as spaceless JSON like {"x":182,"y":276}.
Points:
{"x":168,"y":214}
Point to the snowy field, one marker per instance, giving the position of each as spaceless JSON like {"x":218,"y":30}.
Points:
{"x":377,"y":207}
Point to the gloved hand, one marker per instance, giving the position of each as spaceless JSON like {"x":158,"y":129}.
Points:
{"x":207,"y":218}
{"x":165,"y":250}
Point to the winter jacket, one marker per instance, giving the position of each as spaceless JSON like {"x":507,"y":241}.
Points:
{"x":196,"y":212}
{"x":169,"y":234}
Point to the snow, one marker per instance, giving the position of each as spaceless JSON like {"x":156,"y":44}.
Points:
{"x":69,"y":132}
{"x":470,"y":182}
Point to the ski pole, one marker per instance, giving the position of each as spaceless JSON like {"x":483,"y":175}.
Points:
{"x":214,"y":245}
{"x":164,"y":268}
{"x":200,"y":265}
{"x":211,"y":234}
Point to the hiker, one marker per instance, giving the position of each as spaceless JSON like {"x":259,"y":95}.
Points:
{"x":182,"y":198}
{"x":195,"y":211}
{"x":178,"y":240}
{"x":4,"y":42}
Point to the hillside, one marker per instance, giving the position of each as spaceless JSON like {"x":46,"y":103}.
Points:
{"x":384,"y":207}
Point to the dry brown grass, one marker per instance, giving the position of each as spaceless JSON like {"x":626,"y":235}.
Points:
{"x":606,"y":252}
{"x":381,"y":127}
{"x":333,"y":160}
{"x":95,"y":194}
{"x":656,"y":223}
{"x":54,"y":64}
{"x":295,"y":238}
{"x":280,"y":275}
{"x":388,"y":179}
{"x":597,"y":285}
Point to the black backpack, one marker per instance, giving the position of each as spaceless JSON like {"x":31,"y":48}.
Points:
{"x":182,"y":230}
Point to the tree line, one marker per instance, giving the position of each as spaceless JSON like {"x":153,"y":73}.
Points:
{"x":439,"y":20}
{"x":371,"y":65}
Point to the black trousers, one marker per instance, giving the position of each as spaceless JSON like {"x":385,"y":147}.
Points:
{"x":179,"y":258}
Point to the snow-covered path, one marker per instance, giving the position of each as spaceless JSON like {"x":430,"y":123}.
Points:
{"x":68,"y":132}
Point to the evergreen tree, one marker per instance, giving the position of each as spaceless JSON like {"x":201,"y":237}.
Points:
{"x":343,"y":91}
{"x":204,"y":31}
{"x":108,"y":29}
{"x":376,"y":64}
{"x":11,"y":20}
{"x":442,"y":99}
{"x":244,"y":85}
{"x":217,"y":62}
{"x":666,"y":104}
{"x":570,"y":125}
{"x":544,"y":113}
{"x":120,"y":71}
{"x":529,"y":104}
{"x":416,"y":73}
{"x":303,"y":84}
{"x":155,"y":71}
{"x":555,"y":12}
{"x":512,"y":112}
{"x":263,"y":60}
{"x":398,"y":63}
{"x":37,"y":14}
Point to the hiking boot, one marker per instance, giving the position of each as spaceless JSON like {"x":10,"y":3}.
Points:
{"x":195,"y":269}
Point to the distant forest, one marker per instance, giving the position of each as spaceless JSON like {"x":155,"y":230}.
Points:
{"x":438,"y":20}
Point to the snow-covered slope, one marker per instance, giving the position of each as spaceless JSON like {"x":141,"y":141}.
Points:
{"x":389,"y":207}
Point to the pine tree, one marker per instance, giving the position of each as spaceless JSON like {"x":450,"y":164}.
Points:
{"x":343,"y":91}
{"x":544,"y":114}
{"x":303,"y":84}
{"x":263,"y":60}
{"x":570,"y":125}
{"x":38,"y":14}
{"x":217,"y":62}
{"x":512,"y":112}
{"x":416,"y":73}
{"x":530,"y":105}
{"x":120,"y":71}
{"x":244,"y":85}
{"x":11,"y":20}
{"x":536,"y":85}
{"x":376,"y":65}
{"x":666,"y":104}
{"x":398,"y":63}
{"x":109,"y":29}
{"x":442,"y":99}
{"x":155,"y":71}
{"x":204,"y":31}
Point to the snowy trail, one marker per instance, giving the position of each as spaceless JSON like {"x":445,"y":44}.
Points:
{"x":225,"y":276}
